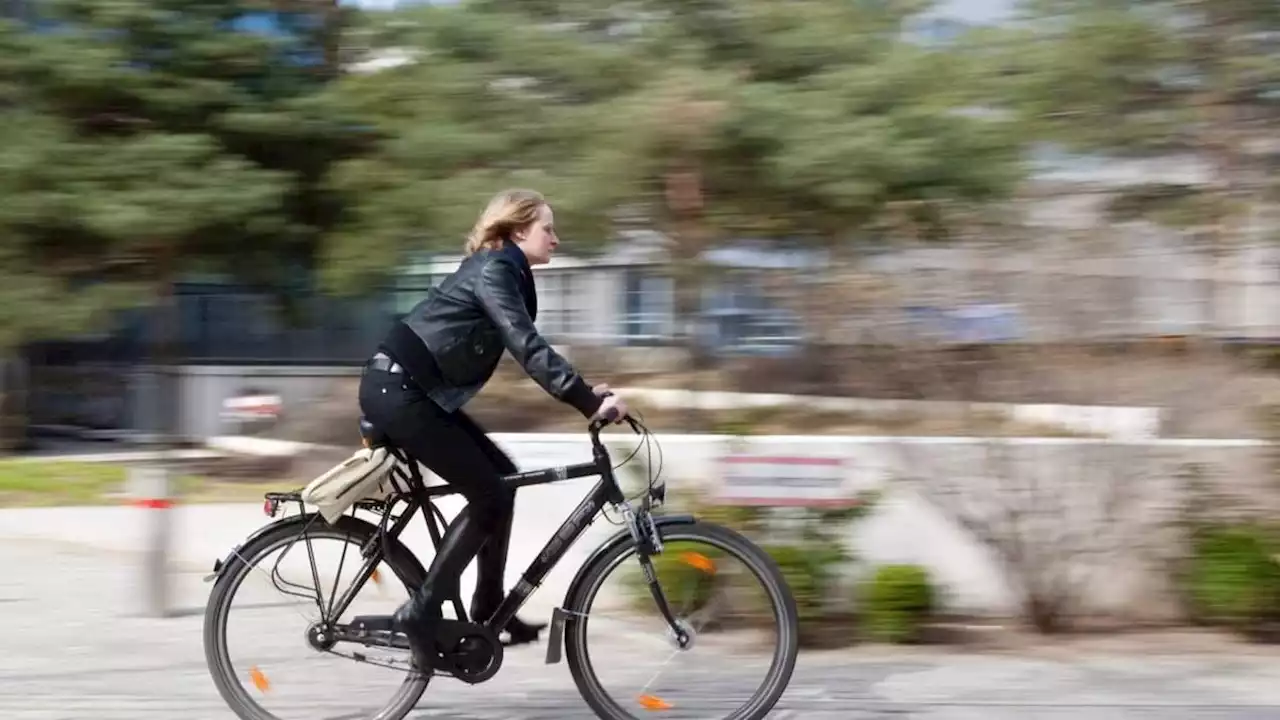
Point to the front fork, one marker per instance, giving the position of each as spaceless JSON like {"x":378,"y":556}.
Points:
{"x":649,"y":543}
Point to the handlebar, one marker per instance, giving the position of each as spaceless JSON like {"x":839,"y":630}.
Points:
{"x":599,"y":423}
{"x":655,"y":493}
{"x":602,"y":422}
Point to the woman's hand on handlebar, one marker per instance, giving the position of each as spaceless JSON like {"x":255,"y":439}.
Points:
{"x":613,"y":409}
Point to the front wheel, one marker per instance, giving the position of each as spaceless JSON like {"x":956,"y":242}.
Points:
{"x":708,"y":574}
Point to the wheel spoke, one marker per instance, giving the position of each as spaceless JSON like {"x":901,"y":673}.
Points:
{"x":333,"y":594}
{"x":294,"y":668}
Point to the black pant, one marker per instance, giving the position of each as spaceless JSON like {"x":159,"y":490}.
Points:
{"x":452,"y":446}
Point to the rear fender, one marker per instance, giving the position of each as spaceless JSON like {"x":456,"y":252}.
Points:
{"x":301,"y":521}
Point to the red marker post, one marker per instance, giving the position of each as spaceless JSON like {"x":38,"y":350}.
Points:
{"x":151,"y":493}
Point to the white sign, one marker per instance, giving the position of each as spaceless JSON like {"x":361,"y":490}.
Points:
{"x":252,"y":407}
{"x":785,"y":481}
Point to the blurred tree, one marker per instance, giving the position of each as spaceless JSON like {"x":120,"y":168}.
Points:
{"x":811,"y":120}
{"x":466,"y":101}
{"x":147,"y":137}
{"x":143,"y":138}
{"x":1194,"y":83}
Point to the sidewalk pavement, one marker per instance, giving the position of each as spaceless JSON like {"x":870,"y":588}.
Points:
{"x":74,"y":649}
{"x":203,"y":533}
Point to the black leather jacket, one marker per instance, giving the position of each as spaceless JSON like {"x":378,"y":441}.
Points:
{"x":451,"y":342}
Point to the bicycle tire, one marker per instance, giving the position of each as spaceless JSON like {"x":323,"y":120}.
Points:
{"x":400,"y":559}
{"x":762,"y":566}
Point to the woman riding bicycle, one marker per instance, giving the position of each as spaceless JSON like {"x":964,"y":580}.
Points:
{"x":435,"y":360}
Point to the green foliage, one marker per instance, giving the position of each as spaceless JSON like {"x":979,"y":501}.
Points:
{"x":897,"y":599}
{"x":812,"y":569}
{"x":1234,"y":576}
{"x":808,"y":544}
{"x":688,"y":587}
{"x":1147,"y":79}
{"x":743,"y":421}
{"x":812,"y":118}
{"x":148,"y":137}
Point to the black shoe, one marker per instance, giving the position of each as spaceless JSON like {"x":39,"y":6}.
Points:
{"x":521,"y":633}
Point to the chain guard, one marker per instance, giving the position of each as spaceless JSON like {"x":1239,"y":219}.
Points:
{"x":470,"y":652}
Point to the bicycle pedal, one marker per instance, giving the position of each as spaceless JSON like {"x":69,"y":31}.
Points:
{"x":372,"y":623}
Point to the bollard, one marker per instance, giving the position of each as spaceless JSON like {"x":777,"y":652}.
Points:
{"x":150,"y":488}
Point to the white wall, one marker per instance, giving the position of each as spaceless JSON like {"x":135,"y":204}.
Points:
{"x":1126,"y":423}
{"x":1062,"y":483}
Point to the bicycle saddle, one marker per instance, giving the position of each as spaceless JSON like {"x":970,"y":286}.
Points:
{"x":371,"y":435}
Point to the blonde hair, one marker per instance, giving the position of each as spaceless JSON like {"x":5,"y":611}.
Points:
{"x":508,"y":210}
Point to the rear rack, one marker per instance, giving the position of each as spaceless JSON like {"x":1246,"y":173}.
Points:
{"x":273,"y":501}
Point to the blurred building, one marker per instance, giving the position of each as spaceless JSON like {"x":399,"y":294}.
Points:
{"x":17,"y":9}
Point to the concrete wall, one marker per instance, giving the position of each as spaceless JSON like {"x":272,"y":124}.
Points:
{"x":1126,"y":423}
{"x":199,"y":391}
{"x":1092,"y":508}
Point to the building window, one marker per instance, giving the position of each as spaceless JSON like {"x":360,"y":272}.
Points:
{"x":563,"y":299}
{"x":742,"y":315}
{"x":648,"y":303}
{"x":411,"y":290}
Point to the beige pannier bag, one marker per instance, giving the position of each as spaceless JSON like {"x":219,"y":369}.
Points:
{"x":366,"y":475}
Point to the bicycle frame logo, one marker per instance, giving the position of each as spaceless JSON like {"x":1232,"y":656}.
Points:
{"x":565,"y":536}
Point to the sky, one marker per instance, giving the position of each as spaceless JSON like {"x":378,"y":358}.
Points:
{"x":968,"y":10}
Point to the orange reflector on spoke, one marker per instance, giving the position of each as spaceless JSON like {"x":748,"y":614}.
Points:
{"x":376,"y":577}
{"x":260,"y":681}
{"x":653,"y":702}
{"x":699,"y":561}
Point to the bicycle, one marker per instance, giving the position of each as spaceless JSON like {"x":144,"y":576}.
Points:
{"x":475,"y":654}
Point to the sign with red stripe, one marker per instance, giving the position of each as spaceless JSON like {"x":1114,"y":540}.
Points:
{"x":776,"y":480}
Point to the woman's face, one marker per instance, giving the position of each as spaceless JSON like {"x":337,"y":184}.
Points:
{"x":538,"y":239}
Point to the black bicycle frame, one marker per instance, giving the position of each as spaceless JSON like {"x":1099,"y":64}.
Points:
{"x":605,"y":492}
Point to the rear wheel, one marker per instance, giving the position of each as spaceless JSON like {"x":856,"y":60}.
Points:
{"x":283,"y":643}
{"x":710,"y":598}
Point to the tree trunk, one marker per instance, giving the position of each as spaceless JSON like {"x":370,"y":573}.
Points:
{"x":685,"y":202}
{"x":164,"y":356}
{"x":14,"y":415}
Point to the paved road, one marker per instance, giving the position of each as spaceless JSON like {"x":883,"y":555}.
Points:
{"x":73,"y":650}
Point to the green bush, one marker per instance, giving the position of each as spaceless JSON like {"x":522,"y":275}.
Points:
{"x":809,"y":549}
{"x":810,"y":569}
{"x":687,"y":585}
{"x":897,"y":600}
{"x":1233,"y":576}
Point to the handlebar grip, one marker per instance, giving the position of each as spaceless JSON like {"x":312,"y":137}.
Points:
{"x":611,"y":416}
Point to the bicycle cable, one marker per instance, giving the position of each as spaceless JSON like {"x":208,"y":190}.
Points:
{"x":648,"y":441}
